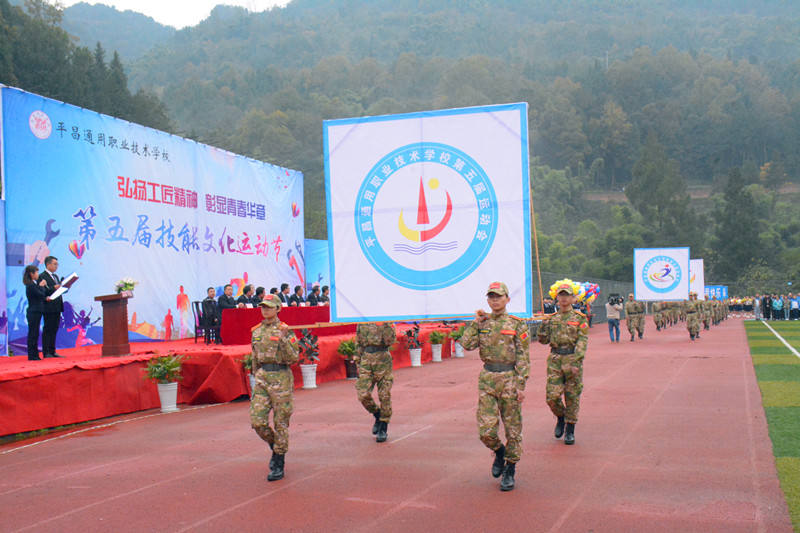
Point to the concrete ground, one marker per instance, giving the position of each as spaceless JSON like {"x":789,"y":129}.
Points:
{"x":672,"y":437}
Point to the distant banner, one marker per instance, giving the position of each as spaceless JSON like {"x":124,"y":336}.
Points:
{"x":317,"y":264}
{"x":661,"y":274}
{"x":720,"y":292}
{"x":697,"y":278}
{"x":111,"y":199}
{"x":425,"y":210}
{"x":3,"y":288}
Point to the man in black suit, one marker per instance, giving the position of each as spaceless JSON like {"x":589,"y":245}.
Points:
{"x":283,"y":296}
{"x":211,"y":316}
{"x":226,"y":301}
{"x":297,"y":299}
{"x":247,"y":297}
{"x":52,"y":308}
{"x":314,"y":296}
{"x":260,"y":293}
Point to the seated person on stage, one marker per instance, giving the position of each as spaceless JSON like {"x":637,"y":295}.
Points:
{"x":260,"y":291}
{"x":211,"y":316}
{"x":324,"y":298}
{"x":283,"y":296}
{"x":313,"y":297}
{"x":296,"y":299}
{"x":245,"y":300}
{"x":226,"y":301}
{"x":274,"y":290}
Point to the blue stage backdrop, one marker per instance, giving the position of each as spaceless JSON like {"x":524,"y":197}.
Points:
{"x":3,"y":299}
{"x":318,"y":267}
{"x":111,"y":199}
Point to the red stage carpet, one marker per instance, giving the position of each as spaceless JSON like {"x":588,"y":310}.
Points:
{"x":85,"y":386}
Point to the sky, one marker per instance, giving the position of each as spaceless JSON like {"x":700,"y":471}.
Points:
{"x":180,"y":13}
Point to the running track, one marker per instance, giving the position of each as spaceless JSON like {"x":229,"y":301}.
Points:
{"x":672,"y":437}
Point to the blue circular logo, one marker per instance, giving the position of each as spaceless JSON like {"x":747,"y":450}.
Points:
{"x":434,"y":251}
{"x":662,"y":274}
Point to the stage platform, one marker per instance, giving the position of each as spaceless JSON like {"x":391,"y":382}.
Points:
{"x":84,"y":386}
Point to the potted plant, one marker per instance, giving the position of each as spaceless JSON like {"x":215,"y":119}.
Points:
{"x":347,"y":349}
{"x":165,"y":370}
{"x":456,"y":335}
{"x":309,"y":355}
{"x":436,"y":338}
{"x":414,"y":345}
{"x":247,"y":364}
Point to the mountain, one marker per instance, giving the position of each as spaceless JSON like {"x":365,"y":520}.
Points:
{"x":129,"y":33}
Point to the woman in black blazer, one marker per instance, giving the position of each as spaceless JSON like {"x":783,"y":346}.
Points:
{"x":34,"y":290}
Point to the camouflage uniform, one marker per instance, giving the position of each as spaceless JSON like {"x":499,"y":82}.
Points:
{"x":634,"y":312}
{"x":502,"y":340}
{"x":692,"y":308}
{"x":708,"y":311}
{"x":565,"y":331}
{"x":657,"y":316}
{"x":375,"y":366}
{"x":274,"y":390}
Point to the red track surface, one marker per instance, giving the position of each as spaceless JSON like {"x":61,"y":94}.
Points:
{"x":672,"y":437}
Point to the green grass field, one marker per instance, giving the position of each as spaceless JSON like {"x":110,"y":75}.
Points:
{"x":778,"y":373}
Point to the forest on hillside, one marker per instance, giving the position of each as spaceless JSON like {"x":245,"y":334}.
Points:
{"x":657,"y":98}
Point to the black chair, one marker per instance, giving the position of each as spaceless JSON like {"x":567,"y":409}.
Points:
{"x":209,"y":329}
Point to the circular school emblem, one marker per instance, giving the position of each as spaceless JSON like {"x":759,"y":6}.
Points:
{"x":426,"y":216}
{"x":40,"y":124}
{"x":662,"y":274}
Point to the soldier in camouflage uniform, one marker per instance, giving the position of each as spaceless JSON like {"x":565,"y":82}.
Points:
{"x":634,"y":313}
{"x":708,"y":311}
{"x":504,"y":349}
{"x":567,"y":334}
{"x":374,"y":361}
{"x":274,"y":348}
{"x":657,"y":316}
{"x":693,"y":310}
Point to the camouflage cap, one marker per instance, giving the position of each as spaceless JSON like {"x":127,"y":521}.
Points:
{"x":497,"y":288}
{"x":565,"y":287}
{"x":270,"y":300}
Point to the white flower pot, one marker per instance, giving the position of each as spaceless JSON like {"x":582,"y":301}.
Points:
{"x":459,"y":350}
{"x":309,"y":376}
{"x":436,"y":350}
{"x":252,"y":384}
{"x":168,"y":394}
{"x":416,"y":356}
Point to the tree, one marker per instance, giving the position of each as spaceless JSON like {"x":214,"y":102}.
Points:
{"x":736,"y":244}
{"x":611,"y":138}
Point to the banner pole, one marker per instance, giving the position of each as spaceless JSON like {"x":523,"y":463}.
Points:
{"x":536,"y":248}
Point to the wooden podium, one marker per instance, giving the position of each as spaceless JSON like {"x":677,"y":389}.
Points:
{"x":115,"y":323}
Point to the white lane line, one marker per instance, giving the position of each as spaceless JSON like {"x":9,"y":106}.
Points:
{"x":84,"y":430}
{"x":791,"y":348}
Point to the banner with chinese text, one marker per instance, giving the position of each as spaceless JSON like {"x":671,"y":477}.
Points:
{"x":661,"y":274}
{"x":111,"y":199}
{"x":425,"y":210}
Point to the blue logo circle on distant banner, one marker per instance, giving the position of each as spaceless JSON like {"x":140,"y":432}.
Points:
{"x":662,"y":274}
{"x":455,"y":259}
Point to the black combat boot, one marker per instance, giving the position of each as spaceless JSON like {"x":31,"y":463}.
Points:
{"x":377,"y":424}
{"x":640,"y":335}
{"x":277,"y":469}
{"x":560,"y":427}
{"x":631,"y":338}
{"x":507,"y":483}
{"x":697,"y":335}
{"x":381,"y":435}
{"x":569,"y":435}
{"x":499,"y":463}
{"x":691,"y":335}
{"x":272,"y":459}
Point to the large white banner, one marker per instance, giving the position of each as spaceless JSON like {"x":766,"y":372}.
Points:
{"x":661,"y":274}
{"x":697,"y":277}
{"x":425,"y":210}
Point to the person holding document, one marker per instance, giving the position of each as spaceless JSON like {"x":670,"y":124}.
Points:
{"x":34,"y":290}
{"x":52,"y":307}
